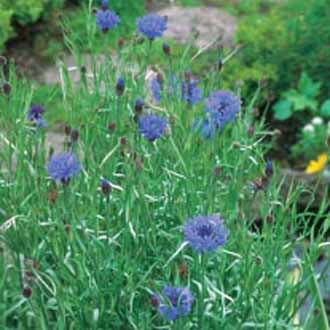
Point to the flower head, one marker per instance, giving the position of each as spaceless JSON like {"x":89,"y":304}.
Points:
{"x":36,"y":112}
{"x":63,"y":167}
{"x":138,"y":105}
{"x":269,"y":170}
{"x":222,"y":106}
{"x":105,"y":187}
{"x":151,"y":25}
{"x":190,"y":93}
{"x":318,"y":165}
{"x":205,"y":233}
{"x":120,"y":86}
{"x":152,"y":126}
{"x":35,"y":115}
{"x":155,"y":90}
{"x":105,"y":18}
{"x":174,"y":302}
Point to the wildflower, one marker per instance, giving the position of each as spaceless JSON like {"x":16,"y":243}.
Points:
{"x":63,"y":167}
{"x":166,"y":49}
{"x":67,"y":130}
{"x":174,"y":302}
{"x":151,"y":25}
{"x":152,"y":126}
{"x":190,"y":93}
{"x":105,"y":18}
{"x":269,"y":168}
{"x":35,"y":112}
{"x":309,"y":128}
{"x":155,"y":90}
{"x":27,"y":292}
{"x":105,"y":187}
{"x":120,"y":86}
{"x":205,"y":233}
{"x":35,"y":115}
{"x":222,"y":106}
{"x":318,"y":165}
{"x":6,"y":88}
{"x":74,"y":135}
{"x":138,"y":106}
{"x":317,"y":121}
{"x":111,"y":127}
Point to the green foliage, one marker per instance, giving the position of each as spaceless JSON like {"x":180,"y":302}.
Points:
{"x":292,"y":37}
{"x":312,"y":140}
{"x":22,"y":12}
{"x":5,"y":27}
{"x":304,"y":98}
{"x":294,"y":100}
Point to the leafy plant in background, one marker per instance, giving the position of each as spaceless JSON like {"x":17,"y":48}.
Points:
{"x":304,"y":98}
{"x":290,"y":38}
{"x":22,"y":12}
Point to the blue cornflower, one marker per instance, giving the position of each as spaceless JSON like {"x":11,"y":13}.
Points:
{"x":152,"y":126}
{"x":174,"y":302}
{"x":35,"y":115}
{"x":155,"y":90}
{"x":205,"y":233}
{"x":151,"y":25}
{"x":63,"y":167}
{"x":105,"y":18}
{"x":222,"y":106}
{"x":190,"y":93}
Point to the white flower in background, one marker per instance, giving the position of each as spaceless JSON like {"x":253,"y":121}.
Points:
{"x":309,"y":128}
{"x":317,"y":121}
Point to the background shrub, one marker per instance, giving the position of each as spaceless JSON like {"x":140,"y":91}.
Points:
{"x":292,"y":37}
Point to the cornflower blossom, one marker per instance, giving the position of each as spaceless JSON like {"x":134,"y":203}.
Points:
{"x":152,"y":127}
{"x":174,"y":302}
{"x":151,"y":25}
{"x":63,"y":167}
{"x":205,"y":233}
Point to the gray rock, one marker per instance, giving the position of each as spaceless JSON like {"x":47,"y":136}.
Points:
{"x":208,"y":22}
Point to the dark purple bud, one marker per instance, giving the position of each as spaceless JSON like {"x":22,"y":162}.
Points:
{"x":83,"y":69}
{"x":154,"y":301}
{"x":74,"y":135}
{"x":27,"y":292}
{"x":166,"y":49}
{"x":120,"y":86}
{"x":123,"y":141}
{"x":121,"y":42}
{"x":269,"y":168}
{"x":106,"y":187}
{"x":217,"y":171}
{"x":67,"y":130}
{"x":250,"y":131}
{"x":111,"y":127}
{"x":138,"y":106}
{"x":160,"y":78}
{"x":6,"y":88}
